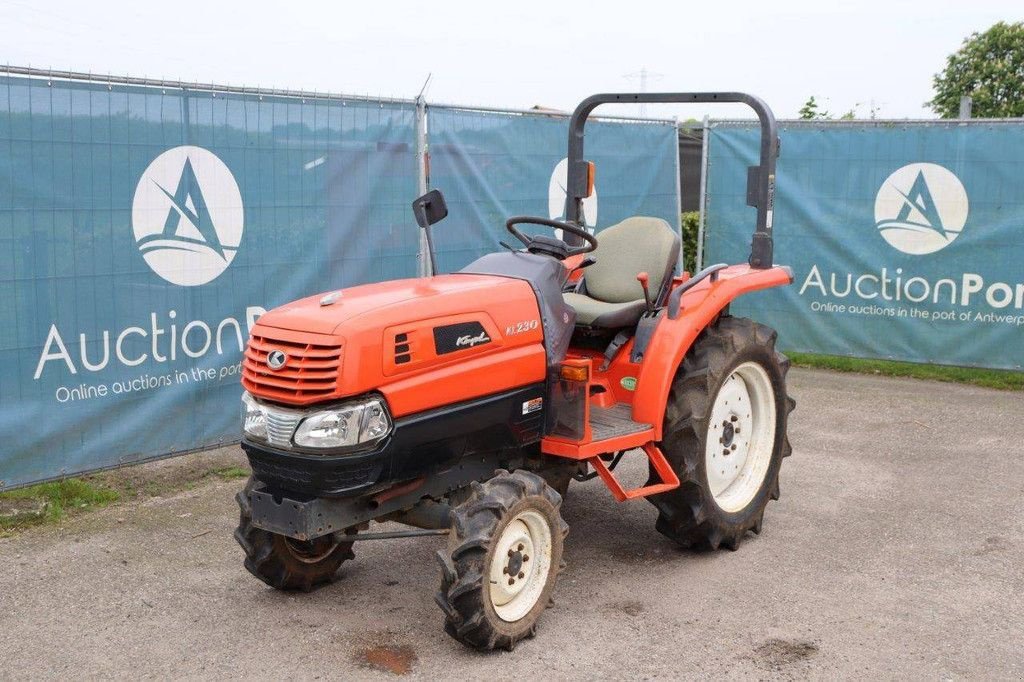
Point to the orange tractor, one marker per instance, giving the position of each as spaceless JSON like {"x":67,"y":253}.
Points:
{"x":463,"y":404}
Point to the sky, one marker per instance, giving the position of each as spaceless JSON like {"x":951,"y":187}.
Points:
{"x":879,"y":54}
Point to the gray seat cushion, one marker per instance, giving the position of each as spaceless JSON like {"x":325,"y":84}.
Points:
{"x":593,"y":313}
{"x":611,"y":297}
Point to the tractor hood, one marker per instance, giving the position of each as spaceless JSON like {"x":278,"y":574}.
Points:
{"x":422,"y":343}
{"x":387,"y":303}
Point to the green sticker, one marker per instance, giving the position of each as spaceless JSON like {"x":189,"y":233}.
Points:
{"x":628,"y":383}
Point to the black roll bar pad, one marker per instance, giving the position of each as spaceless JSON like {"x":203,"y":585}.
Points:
{"x":760,"y":178}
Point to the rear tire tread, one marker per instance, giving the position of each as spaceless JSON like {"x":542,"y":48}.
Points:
{"x":689,"y":514}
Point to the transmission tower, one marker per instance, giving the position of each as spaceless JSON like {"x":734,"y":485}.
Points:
{"x":644,"y":76}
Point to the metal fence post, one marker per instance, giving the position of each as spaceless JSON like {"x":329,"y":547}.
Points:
{"x":965,"y":106}
{"x":679,"y":193}
{"x":423,"y":255}
{"x":703,"y":193}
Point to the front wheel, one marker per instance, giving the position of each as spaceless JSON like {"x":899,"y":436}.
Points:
{"x":282,"y":562}
{"x":503,"y":558}
{"x":725,"y":435}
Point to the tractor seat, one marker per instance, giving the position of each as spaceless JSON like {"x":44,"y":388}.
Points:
{"x":609,"y":296}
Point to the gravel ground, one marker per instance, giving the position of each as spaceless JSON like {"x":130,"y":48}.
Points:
{"x":895,"y":551}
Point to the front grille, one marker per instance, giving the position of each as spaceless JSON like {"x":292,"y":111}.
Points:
{"x":281,"y":425}
{"x":309,"y":374}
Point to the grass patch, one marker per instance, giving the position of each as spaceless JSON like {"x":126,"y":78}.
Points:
{"x":230,"y":473}
{"x":1007,"y":380}
{"x":51,"y":502}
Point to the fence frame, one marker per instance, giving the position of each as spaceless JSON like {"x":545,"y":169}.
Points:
{"x":818,"y":123}
{"x":421,"y":151}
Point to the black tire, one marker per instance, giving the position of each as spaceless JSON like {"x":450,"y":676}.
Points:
{"x":689,"y":514}
{"x":477,"y":526}
{"x":284,"y":563}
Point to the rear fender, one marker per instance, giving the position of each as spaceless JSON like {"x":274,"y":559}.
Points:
{"x":673,"y":337}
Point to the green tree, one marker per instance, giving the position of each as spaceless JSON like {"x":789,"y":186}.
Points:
{"x":851,"y":113}
{"x":809,"y":111}
{"x":989,"y":67}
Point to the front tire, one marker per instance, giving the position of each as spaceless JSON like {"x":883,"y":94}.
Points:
{"x":725,"y":435}
{"x":282,"y":562}
{"x":503,"y":559}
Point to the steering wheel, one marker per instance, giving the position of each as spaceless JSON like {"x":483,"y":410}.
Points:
{"x":550,"y":246}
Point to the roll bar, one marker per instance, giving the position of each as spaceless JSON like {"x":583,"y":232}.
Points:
{"x":760,"y":178}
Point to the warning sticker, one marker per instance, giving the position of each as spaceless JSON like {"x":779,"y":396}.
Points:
{"x":533,"y":405}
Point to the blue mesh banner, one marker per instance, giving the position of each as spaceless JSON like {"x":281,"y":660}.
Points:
{"x":142,"y":230}
{"x":906,"y":239}
{"x":494,"y":165}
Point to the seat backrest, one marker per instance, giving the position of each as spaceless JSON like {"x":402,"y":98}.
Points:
{"x":637,"y":244}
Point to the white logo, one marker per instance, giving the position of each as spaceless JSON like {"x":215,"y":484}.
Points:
{"x":187,"y":216}
{"x":921,"y":208}
{"x":276,"y":359}
{"x":467,"y":340}
{"x":557,"y":195}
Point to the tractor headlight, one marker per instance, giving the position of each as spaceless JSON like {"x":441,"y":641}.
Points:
{"x":254,"y":420}
{"x":345,"y":425}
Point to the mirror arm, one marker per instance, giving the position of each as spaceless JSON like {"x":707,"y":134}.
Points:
{"x":430,"y":250}
{"x":429,"y":209}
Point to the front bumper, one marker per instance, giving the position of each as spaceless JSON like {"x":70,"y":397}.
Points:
{"x":305,"y":517}
{"x":419,"y":444}
{"x":319,"y":475}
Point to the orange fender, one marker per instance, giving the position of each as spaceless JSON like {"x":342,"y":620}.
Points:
{"x":673,"y":338}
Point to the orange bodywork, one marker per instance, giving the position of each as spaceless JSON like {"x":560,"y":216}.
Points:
{"x":673,"y":338}
{"x":652,"y":378}
{"x":351,"y":347}
{"x":381,"y":338}
{"x":572,"y":264}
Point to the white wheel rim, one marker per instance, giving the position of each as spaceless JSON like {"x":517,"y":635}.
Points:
{"x":741,"y":437}
{"x":524,"y":547}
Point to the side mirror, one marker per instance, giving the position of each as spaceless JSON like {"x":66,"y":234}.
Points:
{"x":430,"y":208}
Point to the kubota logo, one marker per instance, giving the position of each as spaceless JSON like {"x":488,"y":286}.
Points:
{"x":187,"y":216}
{"x":276,"y":359}
{"x":921,"y":208}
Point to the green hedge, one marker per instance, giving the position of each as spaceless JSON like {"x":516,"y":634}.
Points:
{"x":690,"y":223}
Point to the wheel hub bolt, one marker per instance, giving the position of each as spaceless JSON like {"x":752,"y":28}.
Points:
{"x":515,"y":564}
{"x":728,"y":433}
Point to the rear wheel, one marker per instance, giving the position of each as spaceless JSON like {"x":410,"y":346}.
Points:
{"x":285,"y":563}
{"x":725,"y":435}
{"x":503,"y":559}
